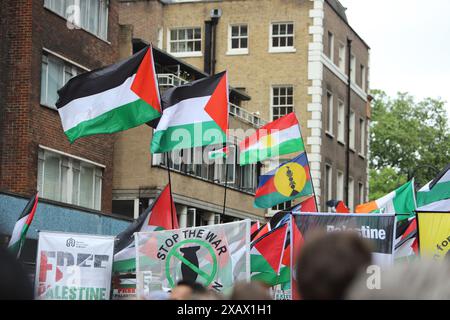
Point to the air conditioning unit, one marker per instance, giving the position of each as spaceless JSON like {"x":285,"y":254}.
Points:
{"x":216,"y":13}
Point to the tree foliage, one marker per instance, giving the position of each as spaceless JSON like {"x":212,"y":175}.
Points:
{"x":407,"y":139}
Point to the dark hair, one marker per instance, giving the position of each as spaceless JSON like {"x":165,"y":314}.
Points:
{"x":328,"y":263}
{"x":14,"y":281}
{"x":195,"y":286}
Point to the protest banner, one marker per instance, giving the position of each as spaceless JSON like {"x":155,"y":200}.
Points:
{"x":73,"y":266}
{"x":215,"y":255}
{"x":434,"y":235}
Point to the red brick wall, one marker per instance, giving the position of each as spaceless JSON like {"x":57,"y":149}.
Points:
{"x":28,"y":123}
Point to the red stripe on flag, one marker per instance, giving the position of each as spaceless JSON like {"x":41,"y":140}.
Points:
{"x":271,"y":247}
{"x":161,"y":213}
{"x":268,"y":187}
{"x":217,"y":106}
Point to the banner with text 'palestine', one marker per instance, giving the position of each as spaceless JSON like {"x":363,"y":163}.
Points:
{"x":434,"y":235}
{"x":216,"y":256}
{"x":73,"y":266}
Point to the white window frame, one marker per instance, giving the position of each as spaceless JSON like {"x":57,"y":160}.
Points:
{"x":237,"y":51}
{"x":361,"y":192}
{"x":331,"y":45}
{"x":341,"y":122}
{"x":351,"y":193}
{"x":340,"y":185}
{"x":362,"y":136}
{"x":185,"y":54}
{"x":353,"y":68}
{"x":351,"y":130}
{"x":363,"y":78}
{"x":272,"y":106}
{"x":341,"y":58}
{"x":285,"y":49}
{"x":71,"y":162}
{"x":330,"y":114}
{"x":328,"y":183}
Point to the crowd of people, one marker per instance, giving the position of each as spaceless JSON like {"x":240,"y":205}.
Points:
{"x":332,"y":266}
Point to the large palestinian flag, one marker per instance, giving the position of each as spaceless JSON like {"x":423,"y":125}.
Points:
{"x":111,"y":99}
{"x":276,"y":138}
{"x":289,"y":181}
{"x":159,"y":216}
{"x":21,"y":227}
{"x":266,"y":255}
{"x":195,"y":114}
{"x":435,"y":195}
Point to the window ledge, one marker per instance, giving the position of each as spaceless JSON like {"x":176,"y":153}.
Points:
{"x":48,"y":107}
{"x":341,"y":142}
{"x":240,"y":52}
{"x":282,"y":50}
{"x":187,"y":54}
{"x":361,"y":156}
{"x":352,"y":150}
{"x":329,"y":134}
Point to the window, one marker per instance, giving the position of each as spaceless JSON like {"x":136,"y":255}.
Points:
{"x":353,"y":68}
{"x":70,"y":180}
{"x":330,"y":113}
{"x":228,"y":169}
{"x":185,"y":41}
{"x":361,"y":192}
{"x":362,"y":131}
{"x":351,"y":193}
{"x":282,"y":101}
{"x":238,"y":39}
{"x":282,"y":37}
{"x":282,"y":206}
{"x":341,"y":121}
{"x":341,"y":59}
{"x":363,"y":78}
{"x":328,"y":184}
{"x":340,"y":186}
{"x":331,"y":46}
{"x":92,"y":15}
{"x":351,"y":130}
{"x":55,"y":73}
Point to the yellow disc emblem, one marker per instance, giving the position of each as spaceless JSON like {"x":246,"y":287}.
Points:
{"x":290,"y":179}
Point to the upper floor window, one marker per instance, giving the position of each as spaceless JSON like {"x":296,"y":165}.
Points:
{"x":351,"y":194}
{"x":282,"y":37}
{"x":70,"y":180}
{"x":330,"y":113}
{"x":353,"y":68}
{"x":362,"y":132}
{"x":55,"y":73}
{"x":341,"y":122}
{"x":91,"y":15}
{"x":238,"y":39}
{"x":351,"y":130}
{"x":331,"y":46}
{"x":363,"y":78}
{"x":341,"y":58}
{"x":361,"y":192}
{"x":328,"y":183}
{"x":185,"y":41}
{"x":282,"y":101}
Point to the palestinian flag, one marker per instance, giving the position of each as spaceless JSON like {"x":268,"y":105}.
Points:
{"x":406,"y":246}
{"x":255,"y":227}
{"x":289,"y":181}
{"x":111,"y":99}
{"x":435,"y":195}
{"x":21,"y":227}
{"x":276,"y":138}
{"x":400,"y":201}
{"x":195,"y":114}
{"x":266,"y":254}
{"x":219,"y":153}
{"x":307,"y":205}
{"x":338,"y":206}
{"x":260,"y":232}
{"x":156,"y":217}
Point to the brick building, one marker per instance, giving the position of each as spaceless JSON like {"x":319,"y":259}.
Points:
{"x":300,"y":56}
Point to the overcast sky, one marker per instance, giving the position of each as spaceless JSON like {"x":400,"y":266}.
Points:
{"x":410,"y":47}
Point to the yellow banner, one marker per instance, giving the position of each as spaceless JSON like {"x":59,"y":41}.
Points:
{"x":434,"y":235}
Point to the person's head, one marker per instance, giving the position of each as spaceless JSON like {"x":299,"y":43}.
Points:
{"x":14,"y":281}
{"x":328,"y":263}
{"x":185,"y":289}
{"x":250,"y":291}
{"x":417,"y":280}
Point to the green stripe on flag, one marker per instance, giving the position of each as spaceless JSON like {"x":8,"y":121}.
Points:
{"x":122,"y":118}
{"x":255,"y":155}
{"x":440,"y":191}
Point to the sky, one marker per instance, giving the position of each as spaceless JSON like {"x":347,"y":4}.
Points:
{"x":409,"y":41}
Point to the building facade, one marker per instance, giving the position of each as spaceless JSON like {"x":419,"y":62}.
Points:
{"x":300,"y":56}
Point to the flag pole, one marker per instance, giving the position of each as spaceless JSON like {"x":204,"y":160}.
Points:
{"x":170,"y":188}
{"x":226,"y":185}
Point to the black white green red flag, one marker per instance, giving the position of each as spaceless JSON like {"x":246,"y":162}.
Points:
{"x":194,"y":115}
{"x":111,"y":99}
{"x":159,"y":216}
{"x":21,"y":227}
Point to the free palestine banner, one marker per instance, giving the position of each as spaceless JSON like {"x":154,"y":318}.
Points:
{"x":73,"y":266}
{"x":216,"y":256}
{"x":378,"y":229}
{"x":434,"y":235}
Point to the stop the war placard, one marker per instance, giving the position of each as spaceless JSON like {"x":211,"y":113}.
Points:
{"x":73,"y":266}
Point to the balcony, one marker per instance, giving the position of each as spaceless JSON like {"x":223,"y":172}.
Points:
{"x":169,"y":80}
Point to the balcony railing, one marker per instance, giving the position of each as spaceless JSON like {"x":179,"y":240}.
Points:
{"x":169,"y":80}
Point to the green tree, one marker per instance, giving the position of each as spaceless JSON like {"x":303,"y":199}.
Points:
{"x":408,"y":138}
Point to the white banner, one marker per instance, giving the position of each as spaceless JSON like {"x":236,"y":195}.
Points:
{"x":215,"y":255}
{"x":73,"y":266}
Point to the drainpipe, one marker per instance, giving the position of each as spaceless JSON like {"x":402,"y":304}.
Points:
{"x":209,"y":65}
{"x":347,"y":118}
